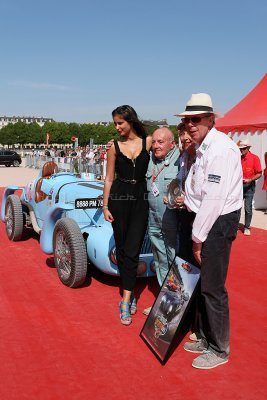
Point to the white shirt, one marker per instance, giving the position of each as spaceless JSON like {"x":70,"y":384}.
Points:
{"x":214,"y":185}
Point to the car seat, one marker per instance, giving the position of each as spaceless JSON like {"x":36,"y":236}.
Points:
{"x":49,"y":168}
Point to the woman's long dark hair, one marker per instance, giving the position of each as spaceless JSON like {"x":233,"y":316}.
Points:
{"x":130,"y":115}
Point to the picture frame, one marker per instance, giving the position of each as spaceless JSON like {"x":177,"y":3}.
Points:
{"x":166,"y":323}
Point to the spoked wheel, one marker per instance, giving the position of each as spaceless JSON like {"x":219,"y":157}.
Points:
{"x":14,"y":218}
{"x":15,"y":163}
{"x":70,"y":254}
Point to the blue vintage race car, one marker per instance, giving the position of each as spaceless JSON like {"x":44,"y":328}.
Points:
{"x":65,"y":210}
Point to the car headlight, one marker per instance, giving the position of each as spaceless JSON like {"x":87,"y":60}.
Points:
{"x":141,"y":268}
{"x":153,"y":266}
{"x":112,"y":255}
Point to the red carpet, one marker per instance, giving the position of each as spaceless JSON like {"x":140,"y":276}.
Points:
{"x":61,"y":343}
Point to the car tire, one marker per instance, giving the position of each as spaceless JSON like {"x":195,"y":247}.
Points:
{"x":7,"y":165}
{"x":14,"y":218}
{"x":70,"y":254}
{"x":16,"y":163}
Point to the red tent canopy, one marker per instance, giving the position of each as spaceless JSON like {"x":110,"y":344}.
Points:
{"x":250,"y":114}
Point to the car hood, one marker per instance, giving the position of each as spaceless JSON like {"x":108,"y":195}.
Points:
{"x":71,"y":191}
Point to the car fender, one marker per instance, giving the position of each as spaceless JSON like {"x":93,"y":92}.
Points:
{"x":54,"y":214}
{"x":11,"y":189}
{"x":99,"y":244}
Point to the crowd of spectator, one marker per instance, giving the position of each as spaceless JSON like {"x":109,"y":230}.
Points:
{"x":82,"y":159}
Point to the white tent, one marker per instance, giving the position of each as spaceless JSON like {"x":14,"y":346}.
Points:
{"x":248,"y":120}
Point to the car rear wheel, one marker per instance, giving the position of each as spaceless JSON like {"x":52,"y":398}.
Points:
{"x":7,"y":165}
{"x":14,"y":218}
{"x":70,"y":254}
{"x":16,"y":163}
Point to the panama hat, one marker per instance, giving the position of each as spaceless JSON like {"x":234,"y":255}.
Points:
{"x":199,"y":103}
{"x":242,"y":144}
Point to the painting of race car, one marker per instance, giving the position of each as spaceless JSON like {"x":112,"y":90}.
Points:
{"x":167,"y":317}
{"x":65,"y":209}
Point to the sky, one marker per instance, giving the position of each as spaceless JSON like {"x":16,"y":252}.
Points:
{"x":77,"y":60}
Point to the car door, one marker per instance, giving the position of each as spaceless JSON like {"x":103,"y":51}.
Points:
{"x":1,"y":157}
{"x":7,"y":156}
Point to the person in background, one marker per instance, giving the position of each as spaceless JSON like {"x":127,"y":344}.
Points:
{"x":73,"y":153}
{"x":103,"y":158}
{"x":252,"y":171}
{"x":63,"y":152}
{"x":52,"y":152}
{"x":125,"y":202}
{"x":162,"y":222}
{"x":90,"y":159}
{"x":213,"y":191}
{"x":185,"y":218}
{"x":78,"y":151}
{"x":47,"y":152}
{"x":97,"y":166}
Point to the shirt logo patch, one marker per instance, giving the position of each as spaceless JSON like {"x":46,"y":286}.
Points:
{"x":214,"y":178}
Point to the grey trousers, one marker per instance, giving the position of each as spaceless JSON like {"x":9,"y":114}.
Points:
{"x":213,"y":297}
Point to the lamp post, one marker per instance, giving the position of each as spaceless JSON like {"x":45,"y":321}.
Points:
{"x":47,"y":139}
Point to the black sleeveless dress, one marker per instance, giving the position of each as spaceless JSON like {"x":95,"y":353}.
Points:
{"x":129,"y":207}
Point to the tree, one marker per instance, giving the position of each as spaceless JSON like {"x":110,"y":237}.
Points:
{"x":174,"y":130}
{"x":61,"y":132}
{"x":15,"y":133}
{"x":7,"y":136}
{"x":33,"y":134}
{"x":58,"y":132}
{"x":74,"y":130}
{"x":86,"y":132}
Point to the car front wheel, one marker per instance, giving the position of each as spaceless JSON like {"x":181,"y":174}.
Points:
{"x":70,"y":254}
{"x":15,"y":163}
{"x":14,"y":218}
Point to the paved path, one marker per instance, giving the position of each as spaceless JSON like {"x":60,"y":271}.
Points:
{"x":259,"y":219}
{"x":17,"y":176}
{"x":22,"y":175}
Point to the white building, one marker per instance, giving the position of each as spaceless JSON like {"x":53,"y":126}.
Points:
{"x":160,"y":123}
{"x":4,"y":121}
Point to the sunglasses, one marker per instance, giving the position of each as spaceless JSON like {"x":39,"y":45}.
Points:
{"x":194,"y":120}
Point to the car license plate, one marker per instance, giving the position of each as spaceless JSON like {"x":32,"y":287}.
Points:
{"x":89,"y":203}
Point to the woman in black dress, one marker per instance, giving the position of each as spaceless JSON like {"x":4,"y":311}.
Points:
{"x":125,"y":200}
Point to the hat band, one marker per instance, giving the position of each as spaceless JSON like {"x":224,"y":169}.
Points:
{"x":199,"y":108}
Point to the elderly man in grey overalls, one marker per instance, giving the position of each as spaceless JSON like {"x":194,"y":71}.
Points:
{"x":162,"y":224}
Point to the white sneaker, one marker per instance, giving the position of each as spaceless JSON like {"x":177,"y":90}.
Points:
{"x":247,"y":232}
{"x":147,"y":310}
{"x":193,"y":337}
{"x":208,"y":360}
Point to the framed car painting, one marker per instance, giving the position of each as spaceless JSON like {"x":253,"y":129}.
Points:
{"x":169,"y":311}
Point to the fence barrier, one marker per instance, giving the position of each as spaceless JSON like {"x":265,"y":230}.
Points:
{"x":69,"y":164}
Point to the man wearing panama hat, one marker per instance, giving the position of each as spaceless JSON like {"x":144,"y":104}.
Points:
{"x":252,"y":171}
{"x":213,"y":191}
